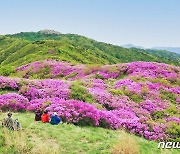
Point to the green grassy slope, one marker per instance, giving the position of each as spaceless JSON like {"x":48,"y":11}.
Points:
{"x":80,"y":49}
{"x":37,"y":137}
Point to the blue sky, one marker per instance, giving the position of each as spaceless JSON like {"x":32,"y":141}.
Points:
{"x":141,"y":22}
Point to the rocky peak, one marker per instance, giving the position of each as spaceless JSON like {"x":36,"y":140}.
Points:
{"x":47,"y":31}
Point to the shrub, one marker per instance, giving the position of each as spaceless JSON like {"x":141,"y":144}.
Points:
{"x":144,"y":90}
{"x":91,"y":69}
{"x":178,"y":82}
{"x":86,"y":121}
{"x":98,"y":76}
{"x":172,"y":80}
{"x":172,"y":110}
{"x":174,"y":130}
{"x":160,"y":80}
{"x":6,"y":71}
{"x":104,"y":123}
{"x":138,"y":78}
{"x":71,"y":75}
{"x":43,"y":73}
{"x":13,"y":101}
{"x":169,"y":96}
{"x":136,"y":98}
{"x":78,"y":92}
{"x":158,"y":114}
{"x":117,"y":92}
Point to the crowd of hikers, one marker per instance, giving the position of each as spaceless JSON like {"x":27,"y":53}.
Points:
{"x":54,"y":119}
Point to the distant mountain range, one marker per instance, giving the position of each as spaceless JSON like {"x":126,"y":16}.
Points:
{"x":26,"y":47}
{"x":170,"y":49}
{"x":132,"y":46}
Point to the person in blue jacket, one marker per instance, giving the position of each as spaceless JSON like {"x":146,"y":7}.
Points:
{"x":55,"y":119}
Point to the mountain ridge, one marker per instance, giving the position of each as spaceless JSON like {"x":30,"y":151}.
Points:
{"x":170,"y":49}
{"x":26,"y":47}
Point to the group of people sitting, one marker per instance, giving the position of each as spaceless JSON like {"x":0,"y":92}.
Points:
{"x":54,"y":119}
{"x":10,"y":123}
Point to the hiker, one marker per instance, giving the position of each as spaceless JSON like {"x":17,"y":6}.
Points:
{"x":8,"y":122}
{"x":38,"y":114}
{"x":45,"y":117}
{"x":17,"y":125}
{"x":55,"y":119}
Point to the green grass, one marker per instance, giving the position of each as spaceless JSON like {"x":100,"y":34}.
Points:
{"x":5,"y":91}
{"x":37,"y":137}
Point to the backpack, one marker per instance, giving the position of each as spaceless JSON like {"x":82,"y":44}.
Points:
{"x":16,"y":125}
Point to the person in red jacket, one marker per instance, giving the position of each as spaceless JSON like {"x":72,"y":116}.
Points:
{"x":45,"y":117}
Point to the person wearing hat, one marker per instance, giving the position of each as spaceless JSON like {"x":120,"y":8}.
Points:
{"x":55,"y":119}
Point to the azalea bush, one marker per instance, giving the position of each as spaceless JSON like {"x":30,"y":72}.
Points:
{"x":13,"y":101}
{"x":141,"y":97}
{"x":45,"y":88}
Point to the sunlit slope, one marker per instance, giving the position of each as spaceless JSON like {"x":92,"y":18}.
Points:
{"x":77,"y":49}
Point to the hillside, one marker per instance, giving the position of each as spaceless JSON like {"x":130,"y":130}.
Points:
{"x":80,"y":49}
{"x":140,"y":97}
{"x":99,"y":90}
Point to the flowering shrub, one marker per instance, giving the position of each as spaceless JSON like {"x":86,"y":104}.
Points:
{"x":141,"y":97}
{"x":45,"y":88}
{"x":6,"y":82}
{"x":13,"y":101}
{"x":152,"y":70}
{"x":54,"y":69}
{"x":174,"y":119}
{"x":131,"y":85}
